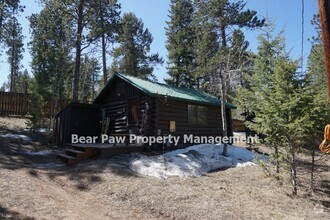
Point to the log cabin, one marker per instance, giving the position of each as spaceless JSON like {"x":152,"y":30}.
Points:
{"x":135,"y":106}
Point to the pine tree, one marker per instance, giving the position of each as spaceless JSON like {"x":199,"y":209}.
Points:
{"x":78,"y":11}
{"x":13,"y":39}
{"x":52,"y":64}
{"x":316,"y":88}
{"x":277,"y":98}
{"x":7,"y":8}
{"x":283,"y":113}
{"x":50,"y":50}
{"x":36,"y":105}
{"x":180,"y":44}
{"x":227,"y":15}
{"x":78,"y":14}
{"x":318,"y":108}
{"x":239,"y":59}
{"x":22,"y":82}
{"x":132,"y":56}
{"x":269,"y":49}
{"x":224,"y":18}
{"x":227,"y":18}
{"x":206,"y":46}
{"x":4,"y":87}
{"x":105,"y":23}
{"x":89,"y":80}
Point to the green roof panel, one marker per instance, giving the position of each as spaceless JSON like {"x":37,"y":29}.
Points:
{"x":163,"y":90}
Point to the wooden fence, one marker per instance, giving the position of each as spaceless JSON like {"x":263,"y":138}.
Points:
{"x":17,"y":104}
{"x":14,"y":104}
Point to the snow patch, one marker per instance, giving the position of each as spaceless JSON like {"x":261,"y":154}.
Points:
{"x":41,"y":130}
{"x":16,"y":136}
{"x":38,"y":153}
{"x":239,"y":133}
{"x":193,"y":161}
{"x":47,"y":165}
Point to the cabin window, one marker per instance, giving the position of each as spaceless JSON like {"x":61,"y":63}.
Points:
{"x":197,"y":115}
{"x":133,"y":112}
{"x":120,"y":89}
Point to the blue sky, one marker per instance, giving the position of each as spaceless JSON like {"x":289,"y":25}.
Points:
{"x":154,"y":13}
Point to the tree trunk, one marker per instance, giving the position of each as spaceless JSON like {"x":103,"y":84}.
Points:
{"x":293,"y":171}
{"x":83,"y":84}
{"x":104,"y":59}
{"x":277,"y":162}
{"x":223,"y":95}
{"x":76,"y":76}
{"x":312,"y":180}
{"x":223,"y":36}
{"x":93,"y":82}
{"x":2,"y":4}
{"x":12,"y":67}
{"x":104,"y":56}
{"x":324,"y":12}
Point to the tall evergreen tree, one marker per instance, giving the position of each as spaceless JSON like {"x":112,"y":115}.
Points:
{"x":319,"y":113}
{"x":269,"y":50}
{"x":90,"y":22}
{"x":13,"y":39}
{"x":22,"y":82}
{"x":316,"y":88}
{"x":105,"y":23}
{"x":79,"y":15}
{"x":206,"y":45}
{"x":224,"y":17}
{"x":227,"y":18}
{"x":180,"y":44}
{"x":50,"y":49}
{"x":7,"y":7}
{"x":227,"y":15}
{"x":79,"y":11}
{"x":132,"y":56}
{"x":89,"y":80}
{"x":277,"y":98}
{"x":239,"y":55}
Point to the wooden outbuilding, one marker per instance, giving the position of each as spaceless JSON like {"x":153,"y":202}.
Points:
{"x":135,"y":106}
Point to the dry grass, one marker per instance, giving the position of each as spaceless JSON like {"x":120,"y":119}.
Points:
{"x":13,"y":123}
{"x":107,"y":189}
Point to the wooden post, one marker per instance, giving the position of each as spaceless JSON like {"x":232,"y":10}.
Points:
{"x":324,"y":10}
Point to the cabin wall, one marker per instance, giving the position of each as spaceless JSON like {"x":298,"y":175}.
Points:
{"x":155,"y":113}
{"x":116,"y":107}
{"x":80,"y":119}
{"x":177,"y":111}
{"x":152,"y":115}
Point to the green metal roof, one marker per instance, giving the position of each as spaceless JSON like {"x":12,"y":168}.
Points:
{"x":163,"y":90}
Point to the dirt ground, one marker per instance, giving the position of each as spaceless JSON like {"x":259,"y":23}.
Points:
{"x":107,"y":189}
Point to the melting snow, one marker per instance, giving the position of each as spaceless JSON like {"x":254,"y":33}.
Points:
{"x":38,"y":153}
{"x":41,"y":130}
{"x":193,"y":161}
{"x":17,"y":136}
{"x":47,"y":165}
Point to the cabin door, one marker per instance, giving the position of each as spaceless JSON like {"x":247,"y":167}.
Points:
{"x":133,"y":116}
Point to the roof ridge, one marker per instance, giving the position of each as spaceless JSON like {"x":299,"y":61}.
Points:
{"x":168,"y":85}
{"x":161,"y":89}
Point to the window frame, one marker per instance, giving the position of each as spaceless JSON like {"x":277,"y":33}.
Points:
{"x":197,"y":110}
